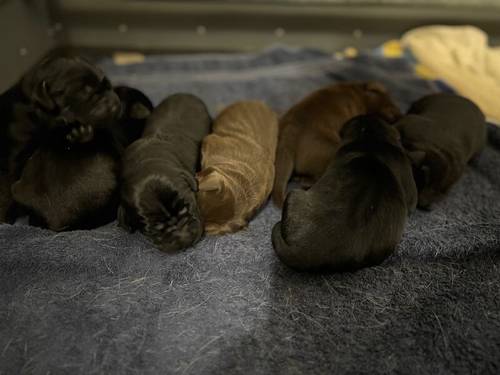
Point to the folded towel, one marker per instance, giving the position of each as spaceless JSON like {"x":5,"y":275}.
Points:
{"x":460,"y":56}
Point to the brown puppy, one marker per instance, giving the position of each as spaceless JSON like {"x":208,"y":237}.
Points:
{"x":237,"y":166}
{"x":309,"y":131}
{"x":442,"y":133}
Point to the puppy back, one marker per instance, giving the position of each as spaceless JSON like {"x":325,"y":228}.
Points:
{"x":252,"y":120}
{"x":179,"y":114}
{"x":243,"y":147}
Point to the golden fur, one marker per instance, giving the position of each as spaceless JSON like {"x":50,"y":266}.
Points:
{"x":237,"y":166}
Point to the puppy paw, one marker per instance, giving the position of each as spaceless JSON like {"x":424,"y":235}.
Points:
{"x":80,"y":134}
{"x":172,"y":222}
{"x":232,"y":227}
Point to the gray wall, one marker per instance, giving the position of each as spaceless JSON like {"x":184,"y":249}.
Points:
{"x":30,"y":28}
{"x":215,"y":25}
{"x":25,"y":37}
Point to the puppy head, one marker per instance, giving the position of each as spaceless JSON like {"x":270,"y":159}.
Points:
{"x":432,"y":172}
{"x":370,"y":129}
{"x":378,"y":101}
{"x":72,"y":90}
{"x":215,"y":198}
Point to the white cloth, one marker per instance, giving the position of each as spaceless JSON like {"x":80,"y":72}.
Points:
{"x":461,"y":57}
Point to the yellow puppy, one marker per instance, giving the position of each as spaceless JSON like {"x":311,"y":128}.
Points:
{"x":237,"y":166}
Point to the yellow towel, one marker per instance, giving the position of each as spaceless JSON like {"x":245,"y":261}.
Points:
{"x":461,"y":57}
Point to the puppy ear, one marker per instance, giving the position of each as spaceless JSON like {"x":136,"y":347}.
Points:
{"x":139,"y":111}
{"x":209,"y":182}
{"x":40,"y":95}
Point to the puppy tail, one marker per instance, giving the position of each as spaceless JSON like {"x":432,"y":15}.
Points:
{"x":283,"y":170}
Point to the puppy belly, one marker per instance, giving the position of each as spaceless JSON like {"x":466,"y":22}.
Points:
{"x":170,"y":214}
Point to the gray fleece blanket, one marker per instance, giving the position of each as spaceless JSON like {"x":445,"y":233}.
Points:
{"x":106,"y":302}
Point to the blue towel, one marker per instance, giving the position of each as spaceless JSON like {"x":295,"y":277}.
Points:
{"x":107,"y":302}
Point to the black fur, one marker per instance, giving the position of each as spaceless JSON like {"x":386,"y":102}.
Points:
{"x":136,"y":108}
{"x":77,"y":187}
{"x":442,"y":133}
{"x":158,"y":183}
{"x":69,"y":189}
{"x":355,"y":214}
{"x":61,"y":102}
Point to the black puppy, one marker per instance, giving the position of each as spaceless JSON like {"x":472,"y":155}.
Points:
{"x":77,"y":188}
{"x":69,"y":189}
{"x":61,"y":101}
{"x":442,"y":133}
{"x":355,"y":214}
{"x":158,"y":174}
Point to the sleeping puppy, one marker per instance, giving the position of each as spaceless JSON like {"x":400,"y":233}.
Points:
{"x":356,"y":212}
{"x":158,"y":174}
{"x":62,"y":101}
{"x":77,"y":188}
{"x":309,"y":131}
{"x":237,"y":166}
{"x":69,"y":189}
{"x":442,"y":133}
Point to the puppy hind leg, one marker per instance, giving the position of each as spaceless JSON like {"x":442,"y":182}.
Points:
{"x":171,"y":220}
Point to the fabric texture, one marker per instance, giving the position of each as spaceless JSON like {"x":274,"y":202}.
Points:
{"x":461,"y":57}
{"x":106,"y":302}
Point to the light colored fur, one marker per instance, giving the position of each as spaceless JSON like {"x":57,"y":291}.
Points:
{"x":237,"y":166}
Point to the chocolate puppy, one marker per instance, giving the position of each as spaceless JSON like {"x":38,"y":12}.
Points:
{"x":158,"y":175}
{"x":442,"y":133}
{"x":237,"y":166}
{"x":62,"y":101}
{"x":309,"y":131}
{"x":77,"y":188}
{"x":355,"y":214}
